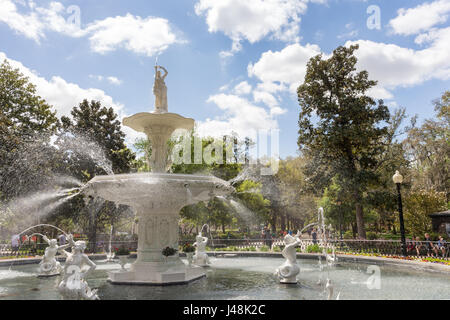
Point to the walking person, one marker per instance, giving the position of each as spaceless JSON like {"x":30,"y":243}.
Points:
{"x":314,"y":236}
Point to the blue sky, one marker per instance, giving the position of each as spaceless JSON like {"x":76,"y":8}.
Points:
{"x":233,"y":65}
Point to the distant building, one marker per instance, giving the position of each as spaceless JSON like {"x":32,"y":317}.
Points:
{"x":441,"y":222}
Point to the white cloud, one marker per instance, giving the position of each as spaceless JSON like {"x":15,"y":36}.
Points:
{"x":421,"y":18}
{"x":29,"y":25}
{"x":63,"y":95}
{"x":395,"y":66}
{"x":265,"y":97}
{"x":240,"y":116}
{"x":242,"y":88}
{"x":391,"y":65}
{"x":253,"y":20}
{"x":112,"y":80}
{"x":148,"y":36}
{"x":283,"y":69}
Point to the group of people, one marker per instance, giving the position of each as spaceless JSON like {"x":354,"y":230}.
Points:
{"x":17,"y":240}
{"x":433,"y":249}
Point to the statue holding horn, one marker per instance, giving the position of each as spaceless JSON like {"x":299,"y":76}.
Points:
{"x":160,"y":90}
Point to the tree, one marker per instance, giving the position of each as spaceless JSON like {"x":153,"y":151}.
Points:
{"x":428,"y":149}
{"x":26,"y":125}
{"x":348,"y":134}
{"x":418,"y":205}
{"x":99,"y":124}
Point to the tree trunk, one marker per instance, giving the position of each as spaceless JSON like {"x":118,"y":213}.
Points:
{"x":359,"y":216}
{"x":93,"y":231}
{"x":283,"y":222}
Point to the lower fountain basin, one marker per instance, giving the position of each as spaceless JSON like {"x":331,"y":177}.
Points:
{"x":243,"y":279}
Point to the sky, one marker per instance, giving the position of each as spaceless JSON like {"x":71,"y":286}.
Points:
{"x":233,"y":65}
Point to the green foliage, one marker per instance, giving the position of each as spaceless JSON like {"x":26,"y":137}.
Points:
{"x":418,"y":205}
{"x":371,"y":235}
{"x":264,"y":248}
{"x":100,"y":124}
{"x":188,"y":248}
{"x":313,"y":248}
{"x":122,"y":251}
{"x":277,"y":249}
{"x":25,"y":120}
{"x":349,"y":132}
{"x":168,"y":251}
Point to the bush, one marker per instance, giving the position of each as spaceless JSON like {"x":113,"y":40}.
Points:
{"x":276,"y":249}
{"x":188,"y":248}
{"x":348,"y":235}
{"x":313,"y":248}
{"x":252,"y":248}
{"x":371,"y":235}
{"x":264,"y":248}
{"x":168,"y":251}
{"x":122,"y":251}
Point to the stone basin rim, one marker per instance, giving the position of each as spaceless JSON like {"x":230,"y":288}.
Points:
{"x":157,"y":176}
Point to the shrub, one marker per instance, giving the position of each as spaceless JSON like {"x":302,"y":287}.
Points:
{"x":168,"y":251}
{"x":122,"y":251}
{"x":188,"y":248}
{"x":252,"y":248}
{"x":371,"y":235}
{"x":276,"y":249}
{"x":348,"y":235}
{"x":264,"y":248}
{"x":313,"y":248}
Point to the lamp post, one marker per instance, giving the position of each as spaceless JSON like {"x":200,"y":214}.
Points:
{"x":398,"y":179}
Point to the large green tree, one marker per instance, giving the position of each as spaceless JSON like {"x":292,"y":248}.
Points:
{"x":428,"y":149}
{"x":27,"y":123}
{"x":99,"y":124}
{"x":340,"y":126}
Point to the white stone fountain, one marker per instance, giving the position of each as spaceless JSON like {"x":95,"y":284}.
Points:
{"x":157,"y":198}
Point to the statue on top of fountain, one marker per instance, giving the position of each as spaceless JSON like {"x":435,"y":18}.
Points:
{"x":288,"y":271}
{"x":201,"y":257}
{"x":160,"y":90}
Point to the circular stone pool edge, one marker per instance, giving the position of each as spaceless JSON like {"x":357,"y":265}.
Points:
{"x":424,"y":266}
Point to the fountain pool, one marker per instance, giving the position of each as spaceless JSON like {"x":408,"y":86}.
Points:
{"x":243,"y":278}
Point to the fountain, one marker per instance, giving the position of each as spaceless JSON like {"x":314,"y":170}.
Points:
{"x":73,"y":285}
{"x":157,"y":198}
{"x":49,"y":266}
{"x":201,"y":257}
{"x":287,"y":273}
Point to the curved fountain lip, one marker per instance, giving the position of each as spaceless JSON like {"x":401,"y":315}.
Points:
{"x":154,"y":175}
{"x":152,"y":189}
{"x":143,"y":120}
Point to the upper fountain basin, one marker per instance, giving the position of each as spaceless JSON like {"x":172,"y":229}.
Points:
{"x":144,"y":121}
{"x":153,"y":191}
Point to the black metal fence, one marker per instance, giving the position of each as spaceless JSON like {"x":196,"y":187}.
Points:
{"x":419,"y":249}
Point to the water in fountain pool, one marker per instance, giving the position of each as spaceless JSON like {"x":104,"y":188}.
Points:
{"x":244,"y":278}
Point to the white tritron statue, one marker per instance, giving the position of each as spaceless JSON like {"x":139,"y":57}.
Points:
{"x":49,"y":266}
{"x":200,"y":257}
{"x":288,"y":271}
{"x":74,"y":286}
